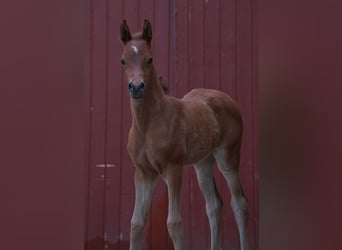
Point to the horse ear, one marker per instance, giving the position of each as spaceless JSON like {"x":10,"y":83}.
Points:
{"x":147,"y":32}
{"x":125,"y":34}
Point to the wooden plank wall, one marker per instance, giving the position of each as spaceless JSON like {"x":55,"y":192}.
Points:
{"x":197,"y":43}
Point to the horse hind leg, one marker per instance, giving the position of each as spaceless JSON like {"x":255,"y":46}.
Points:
{"x":205,"y":176}
{"x":228,"y":160}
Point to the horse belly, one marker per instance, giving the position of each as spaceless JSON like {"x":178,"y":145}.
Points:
{"x":200,"y":144}
{"x":203,"y":136}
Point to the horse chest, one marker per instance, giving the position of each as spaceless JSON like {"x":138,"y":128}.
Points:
{"x":165,"y":150}
{"x":153,"y":152}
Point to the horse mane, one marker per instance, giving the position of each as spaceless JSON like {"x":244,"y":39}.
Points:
{"x":163,"y":83}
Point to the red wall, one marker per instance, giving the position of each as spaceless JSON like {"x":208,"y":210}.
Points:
{"x":196,"y":44}
{"x":300,"y":98}
{"x":41,"y":127}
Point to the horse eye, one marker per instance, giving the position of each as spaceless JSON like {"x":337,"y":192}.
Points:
{"x":150,"y":60}
{"x":123,"y":62}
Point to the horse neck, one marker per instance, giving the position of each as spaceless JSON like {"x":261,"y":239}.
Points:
{"x":151,"y":106}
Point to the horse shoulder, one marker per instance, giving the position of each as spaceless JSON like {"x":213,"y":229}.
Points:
{"x":166,"y":138}
{"x":135,"y":148}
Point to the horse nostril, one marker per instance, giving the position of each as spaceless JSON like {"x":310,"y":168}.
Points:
{"x":130,"y":86}
{"x":142,"y":85}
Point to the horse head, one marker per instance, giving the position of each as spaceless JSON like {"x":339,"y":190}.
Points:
{"x":137,"y":59}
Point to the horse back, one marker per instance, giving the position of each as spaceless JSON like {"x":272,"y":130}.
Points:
{"x":221,"y":108}
{"x":218,"y":101}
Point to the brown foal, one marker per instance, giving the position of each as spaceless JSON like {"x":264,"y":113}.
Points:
{"x":168,"y":133}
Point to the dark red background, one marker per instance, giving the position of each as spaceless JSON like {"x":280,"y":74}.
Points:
{"x":41,"y":128}
{"x":41,"y":125}
{"x":300,"y":89}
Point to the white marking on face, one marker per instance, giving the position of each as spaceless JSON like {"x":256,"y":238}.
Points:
{"x":135,"y":49}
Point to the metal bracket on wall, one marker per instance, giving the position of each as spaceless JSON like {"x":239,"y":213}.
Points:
{"x":104,"y":165}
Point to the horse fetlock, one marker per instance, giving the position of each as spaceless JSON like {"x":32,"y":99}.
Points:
{"x":239,"y":204}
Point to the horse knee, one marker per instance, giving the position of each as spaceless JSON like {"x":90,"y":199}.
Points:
{"x":175,"y":228}
{"x":239,"y":205}
{"x":136,"y":231}
{"x":137,"y":224}
{"x":214,"y":209}
{"x":136,"y":235}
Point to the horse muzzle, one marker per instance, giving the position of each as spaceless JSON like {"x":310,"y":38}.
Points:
{"x":136,"y":90}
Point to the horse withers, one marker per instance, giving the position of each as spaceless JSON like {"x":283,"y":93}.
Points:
{"x":167,"y":133}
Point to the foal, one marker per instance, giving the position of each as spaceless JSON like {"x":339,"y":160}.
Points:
{"x":168,"y":133}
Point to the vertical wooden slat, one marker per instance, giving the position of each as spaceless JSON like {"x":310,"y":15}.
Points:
{"x":228,"y":85}
{"x":196,"y":44}
{"x":158,"y":234}
{"x":97,"y":155}
{"x":244,"y":91}
{"x":212,"y":64}
{"x":87,"y":110}
{"x":114,"y":127}
{"x":105,"y":164}
{"x":211,"y":44}
{"x":161,"y":36}
{"x":146,"y":11}
{"x":179,"y":87}
{"x":182,"y":59}
{"x":199,"y":237}
{"x":227,"y":47}
{"x":255,"y":110}
{"x":172,"y":55}
{"x":158,"y":215}
{"x":130,"y":10}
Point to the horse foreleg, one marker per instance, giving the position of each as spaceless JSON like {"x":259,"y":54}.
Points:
{"x":144,"y":184}
{"x":205,"y":176}
{"x":173,"y":179}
